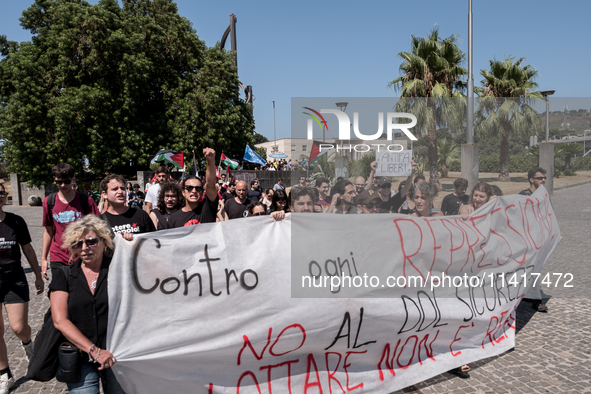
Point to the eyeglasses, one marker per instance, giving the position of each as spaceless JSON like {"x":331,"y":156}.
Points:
{"x":372,"y":205}
{"x":62,"y":181}
{"x":540,"y":178}
{"x":191,"y":188}
{"x":90,"y":242}
{"x":3,"y":194}
{"x":169,"y":197}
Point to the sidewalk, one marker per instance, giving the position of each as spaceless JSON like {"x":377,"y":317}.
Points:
{"x":552,"y":351}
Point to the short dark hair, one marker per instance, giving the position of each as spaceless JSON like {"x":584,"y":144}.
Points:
{"x":322,"y":180}
{"x":339,"y":187}
{"x":461,"y":182}
{"x":417,"y":178}
{"x":190,"y":177}
{"x":63,"y":170}
{"x":162,"y":169}
{"x":169,"y":186}
{"x":253,"y":182}
{"x":532,"y":173}
{"x":496,"y":190}
{"x":255,"y":204}
{"x":298,"y":192}
{"x":136,"y":185}
{"x":401,"y":186}
{"x":109,"y":178}
{"x":232,"y":183}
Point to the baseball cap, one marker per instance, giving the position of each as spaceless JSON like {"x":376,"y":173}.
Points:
{"x":368,"y":196}
{"x":384,"y":181}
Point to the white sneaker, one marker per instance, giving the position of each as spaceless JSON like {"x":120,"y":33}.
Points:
{"x":6,"y":383}
{"x":28,"y":351}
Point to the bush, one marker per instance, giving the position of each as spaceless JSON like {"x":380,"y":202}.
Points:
{"x":557,"y":173}
{"x":570,"y":172}
{"x":582,"y":163}
{"x":522,"y":163}
{"x":489,"y":163}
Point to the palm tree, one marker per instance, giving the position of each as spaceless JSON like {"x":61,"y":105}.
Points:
{"x":504,"y":105}
{"x":431,"y":70}
{"x":568,"y":149}
{"x":448,"y":153}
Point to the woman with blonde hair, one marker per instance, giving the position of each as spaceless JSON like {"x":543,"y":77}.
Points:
{"x":80,"y":302}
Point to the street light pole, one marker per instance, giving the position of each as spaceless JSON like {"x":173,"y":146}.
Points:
{"x":470,"y":137}
{"x":274,"y":129}
{"x":545,"y":94}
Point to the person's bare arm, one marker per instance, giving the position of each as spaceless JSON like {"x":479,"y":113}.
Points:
{"x":47,"y":236}
{"x":62,"y":322}
{"x":148,"y":207}
{"x":374,"y":165}
{"x":465,"y":212}
{"x":154,"y":219}
{"x":29,"y":253}
{"x":408,"y":183}
{"x":210,"y":178}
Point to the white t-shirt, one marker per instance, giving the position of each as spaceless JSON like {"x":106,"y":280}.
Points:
{"x":152,"y":195}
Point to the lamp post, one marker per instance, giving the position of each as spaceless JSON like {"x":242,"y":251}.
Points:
{"x":341,"y":162}
{"x":274,"y":130}
{"x":547,"y":93}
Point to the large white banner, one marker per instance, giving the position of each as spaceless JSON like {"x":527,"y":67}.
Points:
{"x":209,"y":308}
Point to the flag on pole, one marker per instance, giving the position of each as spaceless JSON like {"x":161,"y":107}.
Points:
{"x":252,"y":157}
{"x":195,"y":166}
{"x":233,"y":164}
{"x":315,"y":153}
{"x":217,"y":172}
{"x":167,"y":156}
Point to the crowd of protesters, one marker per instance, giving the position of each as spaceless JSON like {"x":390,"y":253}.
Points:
{"x":77,"y":241}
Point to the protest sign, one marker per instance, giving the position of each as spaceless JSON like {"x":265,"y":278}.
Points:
{"x":200,"y":310}
{"x":394,"y":163}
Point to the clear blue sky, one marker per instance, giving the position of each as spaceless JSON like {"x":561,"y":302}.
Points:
{"x":350,"y":48}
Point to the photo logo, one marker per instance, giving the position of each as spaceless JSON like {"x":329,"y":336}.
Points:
{"x":345,"y":122}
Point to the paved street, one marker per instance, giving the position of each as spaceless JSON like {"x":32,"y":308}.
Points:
{"x":552,"y":352}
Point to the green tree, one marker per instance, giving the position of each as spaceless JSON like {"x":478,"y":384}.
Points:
{"x":448,"y":154}
{"x":106,"y":84}
{"x":430,"y":71}
{"x":504,"y":109}
{"x":568,"y":150}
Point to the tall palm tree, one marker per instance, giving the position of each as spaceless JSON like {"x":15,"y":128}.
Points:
{"x":568,"y":150}
{"x":504,"y":105}
{"x":430,"y":71}
{"x":448,"y":153}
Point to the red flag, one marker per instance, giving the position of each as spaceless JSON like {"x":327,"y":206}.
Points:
{"x":315,"y":152}
{"x":228,"y":173}
{"x":217,"y":172}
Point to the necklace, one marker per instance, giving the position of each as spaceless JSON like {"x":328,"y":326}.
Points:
{"x":93,"y":283}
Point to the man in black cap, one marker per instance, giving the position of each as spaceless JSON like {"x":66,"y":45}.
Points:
{"x":368,"y":201}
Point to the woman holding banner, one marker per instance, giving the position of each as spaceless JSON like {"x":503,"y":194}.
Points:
{"x":423,"y":196}
{"x":481,"y":194}
{"x":80,"y":303}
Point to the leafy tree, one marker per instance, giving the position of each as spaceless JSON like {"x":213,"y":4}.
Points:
{"x":432,"y":70}
{"x":448,"y":154}
{"x":568,"y":150}
{"x":504,"y":109}
{"x":105,"y":84}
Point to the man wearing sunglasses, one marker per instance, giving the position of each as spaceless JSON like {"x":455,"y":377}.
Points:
{"x":537,"y":178}
{"x":368,"y":201}
{"x":121,"y":218}
{"x":197,"y":209}
{"x":59,"y":210}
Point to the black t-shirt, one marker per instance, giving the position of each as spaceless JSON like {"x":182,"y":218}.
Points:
{"x":254,"y":195}
{"x":162,"y":218}
{"x":392,"y":204}
{"x":226,"y":196}
{"x":526,"y":192}
{"x":13,"y":232}
{"x":205,"y":212}
{"x":137,"y":203}
{"x":133,"y":220}
{"x":234,"y":209}
{"x":451,"y":204}
{"x":88,"y":312}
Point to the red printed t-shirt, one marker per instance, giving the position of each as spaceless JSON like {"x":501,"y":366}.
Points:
{"x":63,"y":214}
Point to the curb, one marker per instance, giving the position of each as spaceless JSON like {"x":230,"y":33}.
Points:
{"x":573,"y":185}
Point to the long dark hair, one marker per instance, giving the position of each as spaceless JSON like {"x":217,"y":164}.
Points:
{"x":279,"y":195}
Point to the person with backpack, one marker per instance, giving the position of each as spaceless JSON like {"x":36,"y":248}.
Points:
{"x":59,"y":210}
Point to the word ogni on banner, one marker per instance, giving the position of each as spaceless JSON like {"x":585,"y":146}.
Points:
{"x":394,"y":163}
{"x":216,"y":315}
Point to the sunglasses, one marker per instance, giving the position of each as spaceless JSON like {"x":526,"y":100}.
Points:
{"x":540,"y":178}
{"x":372,"y":205}
{"x":90,"y":242}
{"x":63,"y":181}
{"x":191,"y":188}
{"x":3,"y":194}
{"x":386,"y":186}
